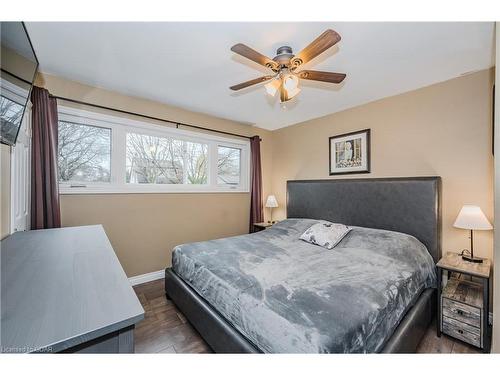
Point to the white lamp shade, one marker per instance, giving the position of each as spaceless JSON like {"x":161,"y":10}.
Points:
{"x":271,"y":201}
{"x":291,"y":82}
{"x":292,"y":93}
{"x":272,"y":87}
{"x":471,"y":217}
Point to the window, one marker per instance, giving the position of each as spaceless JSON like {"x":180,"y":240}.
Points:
{"x":84,"y":153}
{"x":164,"y":160}
{"x":12,"y":102}
{"x":108,"y":154}
{"x":228,"y":165}
{"x":10,"y":113}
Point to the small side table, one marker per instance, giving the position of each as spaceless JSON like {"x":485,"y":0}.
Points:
{"x":261,"y":226}
{"x":463,"y":305}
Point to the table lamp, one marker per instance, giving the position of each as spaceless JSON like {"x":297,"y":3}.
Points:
{"x":472,"y":218}
{"x":271,"y":203}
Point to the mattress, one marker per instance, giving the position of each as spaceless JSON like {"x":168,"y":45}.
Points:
{"x":287,"y":296}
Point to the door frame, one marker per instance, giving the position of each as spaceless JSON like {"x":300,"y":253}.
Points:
{"x":15,"y":170}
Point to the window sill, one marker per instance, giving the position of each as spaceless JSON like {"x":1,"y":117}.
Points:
{"x":66,"y":190}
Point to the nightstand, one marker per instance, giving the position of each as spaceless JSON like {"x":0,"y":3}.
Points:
{"x":463,"y":301}
{"x":261,"y":226}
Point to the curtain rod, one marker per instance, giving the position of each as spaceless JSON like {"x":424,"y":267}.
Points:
{"x":176,"y":123}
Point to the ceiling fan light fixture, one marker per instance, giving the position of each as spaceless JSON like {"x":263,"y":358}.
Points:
{"x":284,"y":79}
{"x":292,"y":93}
{"x":272,"y":87}
{"x":291,"y":82}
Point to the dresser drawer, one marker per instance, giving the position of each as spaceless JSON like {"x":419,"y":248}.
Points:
{"x":462,"y":331}
{"x":462,"y":312}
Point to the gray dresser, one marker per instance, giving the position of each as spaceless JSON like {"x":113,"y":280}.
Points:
{"x":64,"y":290}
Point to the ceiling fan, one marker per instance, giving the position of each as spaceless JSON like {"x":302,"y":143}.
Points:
{"x":285,"y":77}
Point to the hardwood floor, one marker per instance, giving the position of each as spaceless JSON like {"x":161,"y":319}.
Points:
{"x":166,"y":330}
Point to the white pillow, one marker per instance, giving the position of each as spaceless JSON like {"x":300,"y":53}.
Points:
{"x":325,"y":234}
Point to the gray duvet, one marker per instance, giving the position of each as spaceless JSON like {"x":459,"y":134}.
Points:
{"x":288,"y":296}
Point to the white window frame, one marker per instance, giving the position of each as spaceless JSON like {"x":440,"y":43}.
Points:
{"x":13,"y":92}
{"x":120,"y":126}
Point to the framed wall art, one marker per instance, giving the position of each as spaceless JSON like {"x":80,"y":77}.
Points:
{"x":350,"y":153}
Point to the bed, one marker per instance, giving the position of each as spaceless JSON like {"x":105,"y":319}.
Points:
{"x":270,"y":292}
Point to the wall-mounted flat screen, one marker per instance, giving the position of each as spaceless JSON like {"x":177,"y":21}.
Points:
{"x":18,"y":68}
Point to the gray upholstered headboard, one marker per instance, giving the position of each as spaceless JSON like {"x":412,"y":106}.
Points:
{"x":409,"y":205}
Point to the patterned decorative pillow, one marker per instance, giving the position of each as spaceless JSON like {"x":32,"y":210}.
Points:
{"x":325,"y":234}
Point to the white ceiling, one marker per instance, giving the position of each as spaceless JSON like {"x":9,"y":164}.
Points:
{"x":190,"y":65}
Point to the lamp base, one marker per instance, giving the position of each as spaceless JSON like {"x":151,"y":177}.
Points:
{"x":472,"y":259}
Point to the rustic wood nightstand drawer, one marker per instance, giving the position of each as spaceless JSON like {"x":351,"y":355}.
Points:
{"x":463,"y":300}
{"x":462,"y":331}
{"x":462,"y":312}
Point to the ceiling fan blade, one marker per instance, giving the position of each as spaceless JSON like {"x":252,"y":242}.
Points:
{"x":251,"y":82}
{"x":316,"y":75}
{"x":253,"y":55}
{"x":319,"y":45}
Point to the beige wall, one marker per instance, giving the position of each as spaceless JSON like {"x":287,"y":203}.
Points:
{"x":18,"y":65}
{"x":4,"y":190}
{"x":143,"y":228}
{"x":442,"y":130}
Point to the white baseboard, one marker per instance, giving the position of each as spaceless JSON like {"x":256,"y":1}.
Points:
{"x":147,"y":277}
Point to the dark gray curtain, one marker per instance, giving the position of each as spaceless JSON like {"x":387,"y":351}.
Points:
{"x":45,"y":212}
{"x":256,"y":210}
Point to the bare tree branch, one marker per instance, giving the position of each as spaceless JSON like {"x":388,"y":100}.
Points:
{"x":84,"y":155}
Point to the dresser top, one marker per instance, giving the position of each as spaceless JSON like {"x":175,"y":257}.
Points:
{"x":62,"y":287}
{"x":454,"y":262}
